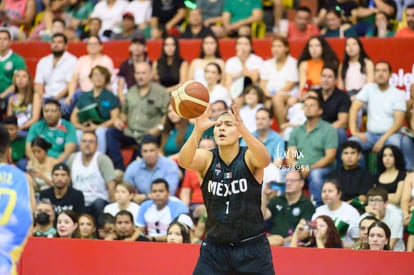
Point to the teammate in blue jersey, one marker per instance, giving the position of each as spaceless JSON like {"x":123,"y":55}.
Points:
{"x":231,"y":186}
{"x":15,"y":208}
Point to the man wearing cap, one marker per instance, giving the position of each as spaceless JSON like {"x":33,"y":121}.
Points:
{"x":128,"y":28}
{"x":138,"y":53}
{"x":62,"y":195}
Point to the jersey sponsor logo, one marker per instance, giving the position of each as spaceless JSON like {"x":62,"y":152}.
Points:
{"x":221,"y":189}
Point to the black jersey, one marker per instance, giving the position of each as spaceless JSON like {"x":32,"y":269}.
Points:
{"x":233,"y":198}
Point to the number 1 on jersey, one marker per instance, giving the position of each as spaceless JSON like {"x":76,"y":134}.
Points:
{"x":227,"y":207}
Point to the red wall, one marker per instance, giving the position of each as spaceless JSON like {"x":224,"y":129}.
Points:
{"x":396,"y":50}
{"x":73,"y":256}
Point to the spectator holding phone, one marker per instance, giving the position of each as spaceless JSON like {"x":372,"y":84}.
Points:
{"x":323,"y":233}
{"x":285,"y":211}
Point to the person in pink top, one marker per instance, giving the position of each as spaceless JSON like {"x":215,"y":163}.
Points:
{"x":80,"y":80}
{"x":407,"y":31}
{"x":302,"y":27}
{"x":16,"y":13}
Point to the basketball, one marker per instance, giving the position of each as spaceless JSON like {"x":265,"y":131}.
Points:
{"x":190,"y":100}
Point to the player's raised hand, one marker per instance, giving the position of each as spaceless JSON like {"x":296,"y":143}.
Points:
{"x":203,"y":122}
{"x":238,"y":122}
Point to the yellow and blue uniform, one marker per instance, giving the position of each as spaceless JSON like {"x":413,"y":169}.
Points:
{"x":15,"y":216}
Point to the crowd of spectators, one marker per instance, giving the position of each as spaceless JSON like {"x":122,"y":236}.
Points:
{"x":336,"y":127}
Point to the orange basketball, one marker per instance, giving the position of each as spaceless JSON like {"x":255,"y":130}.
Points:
{"x":190,"y":100}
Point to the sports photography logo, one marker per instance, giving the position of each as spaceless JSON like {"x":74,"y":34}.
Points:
{"x":291,"y":154}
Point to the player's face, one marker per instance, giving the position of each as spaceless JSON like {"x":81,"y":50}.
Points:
{"x":363,"y":230}
{"x":122,"y":195}
{"x":174,"y":234}
{"x":124,"y":227}
{"x":159,"y":194}
{"x":225,"y":133}
{"x":330,"y":194}
{"x":88,"y":144}
{"x":349,"y":157}
{"x":65,"y":226}
{"x":60,"y":179}
{"x":86,"y":227}
{"x":150,"y":153}
{"x":263,"y":121}
{"x":377,"y":238}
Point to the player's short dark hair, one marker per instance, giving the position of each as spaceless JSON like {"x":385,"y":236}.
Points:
{"x":160,"y":180}
{"x":4,"y":140}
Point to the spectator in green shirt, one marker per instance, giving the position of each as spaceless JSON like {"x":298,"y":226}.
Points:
{"x":55,"y":130}
{"x":17,"y":142}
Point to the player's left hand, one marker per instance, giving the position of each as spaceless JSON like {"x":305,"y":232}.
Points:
{"x":238,"y":122}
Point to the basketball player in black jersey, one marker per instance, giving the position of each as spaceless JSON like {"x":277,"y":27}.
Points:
{"x":231,"y":185}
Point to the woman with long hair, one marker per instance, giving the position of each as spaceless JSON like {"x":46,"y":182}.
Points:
{"x":67,"y":224}
{"x":210,"y":53}
{"x":178,"y":232}
{"x":87,"y":227}
{"x":213,"y":76}
{"x":170,"y":70}
{"x":316,"y":54}
{"x":279,"y":77}
{"x":176,"y":132}
{"x":25,"y":103}
{"x":391,"y":172}
{"x":357,"y":69}
{"x":323,"y":233}
{"x":379,"y":236}
{"x":40,"y":167}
